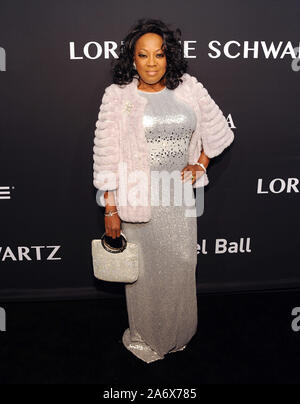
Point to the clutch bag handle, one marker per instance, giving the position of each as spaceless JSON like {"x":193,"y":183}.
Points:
{"x":112,"y":249}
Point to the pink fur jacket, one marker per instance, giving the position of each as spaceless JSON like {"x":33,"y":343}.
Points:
{"x":120,"y":146}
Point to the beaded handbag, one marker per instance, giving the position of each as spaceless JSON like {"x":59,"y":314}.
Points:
{"x":115,"y":264}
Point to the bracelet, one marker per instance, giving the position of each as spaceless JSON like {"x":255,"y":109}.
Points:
{"x":202,"y":165}
{"x":110,"y":213}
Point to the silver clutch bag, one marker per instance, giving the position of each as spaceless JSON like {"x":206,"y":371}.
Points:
{"x":115,"y":264}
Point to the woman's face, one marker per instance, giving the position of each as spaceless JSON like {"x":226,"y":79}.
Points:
{"x":149,"y":57}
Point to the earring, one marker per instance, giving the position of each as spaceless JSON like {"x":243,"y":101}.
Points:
{"x":134,"y":65}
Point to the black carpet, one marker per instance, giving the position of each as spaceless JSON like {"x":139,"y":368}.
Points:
{"x":241,"y":338}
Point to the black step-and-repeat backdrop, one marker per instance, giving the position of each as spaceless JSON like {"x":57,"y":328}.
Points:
{"x":55,"y":60}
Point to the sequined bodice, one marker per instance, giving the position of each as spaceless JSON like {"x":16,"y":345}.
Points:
{"x":169,"y":124}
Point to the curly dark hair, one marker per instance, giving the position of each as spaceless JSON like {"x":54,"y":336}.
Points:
{"x":122,"y":68}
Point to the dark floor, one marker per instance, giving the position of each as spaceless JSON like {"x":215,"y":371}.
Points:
{"x":241,"y":338}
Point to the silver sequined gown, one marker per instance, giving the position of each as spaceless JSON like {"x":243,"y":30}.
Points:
{"x":162,"y":303}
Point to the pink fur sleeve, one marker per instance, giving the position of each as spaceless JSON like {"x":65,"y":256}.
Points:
{"x":106,"y":150}
{"x":216,"y":134}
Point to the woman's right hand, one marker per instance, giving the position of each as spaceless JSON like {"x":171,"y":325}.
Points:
{"x":112,"y":225}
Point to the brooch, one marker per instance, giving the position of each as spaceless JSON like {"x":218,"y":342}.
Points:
{"x":128,"y":106}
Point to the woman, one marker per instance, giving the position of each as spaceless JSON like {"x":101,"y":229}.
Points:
{"x":157,"y":118}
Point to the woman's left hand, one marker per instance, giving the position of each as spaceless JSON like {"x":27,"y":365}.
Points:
{"x":192,"y":170}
